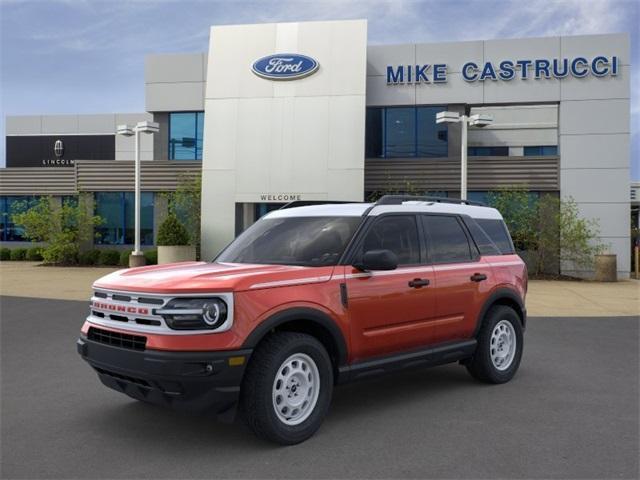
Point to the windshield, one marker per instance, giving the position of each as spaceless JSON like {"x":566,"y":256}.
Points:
{"x":307,"y":241}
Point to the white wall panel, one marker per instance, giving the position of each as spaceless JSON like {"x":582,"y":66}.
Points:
{"x":453,"y":54}
{"x":594,"y":117}
{"x":595,"y":151}
{"x":592,"y":45}
{"x":23,"y":125}
{"x":174,"y":97}
{"x":379,"y":56}
{"x":596,"y":185}
{"x":455,"y":90}
{"x":55,"y":124}
{"x":279,"y":137}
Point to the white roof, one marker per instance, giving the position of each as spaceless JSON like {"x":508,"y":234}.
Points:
{"x":357,"y":209}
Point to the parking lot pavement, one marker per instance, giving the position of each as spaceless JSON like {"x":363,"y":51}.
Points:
{"x":570,"y":412}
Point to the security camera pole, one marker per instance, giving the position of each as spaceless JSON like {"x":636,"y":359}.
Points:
{"x":478,"y":120}
{"x":136,"y":259}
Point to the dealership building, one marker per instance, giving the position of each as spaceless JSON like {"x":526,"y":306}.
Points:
{"x":309,"y":111}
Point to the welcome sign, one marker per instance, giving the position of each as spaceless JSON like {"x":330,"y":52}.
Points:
{"x":507,"y":70}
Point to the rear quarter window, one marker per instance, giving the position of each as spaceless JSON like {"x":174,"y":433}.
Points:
{"x":497,"y":231}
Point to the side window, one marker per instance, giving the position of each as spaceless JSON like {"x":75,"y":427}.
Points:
{"x":447,"y":241}
{"x":497,"y":231}
{"x":398,"y":233}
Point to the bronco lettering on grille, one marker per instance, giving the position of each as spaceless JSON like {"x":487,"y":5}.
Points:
{"x":119,"y":308}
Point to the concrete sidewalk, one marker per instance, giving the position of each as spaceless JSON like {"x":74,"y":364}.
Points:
{"x":545,"y":298}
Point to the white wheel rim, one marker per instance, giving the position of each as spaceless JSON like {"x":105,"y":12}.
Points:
{"x":295,"y":389}
{"x":503,"y":345}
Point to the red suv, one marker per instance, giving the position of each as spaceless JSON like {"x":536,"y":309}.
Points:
{"x":310,"y":297}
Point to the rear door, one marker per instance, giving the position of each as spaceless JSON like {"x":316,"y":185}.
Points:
{"x":461,"y":277}
{"x":390,"y":311}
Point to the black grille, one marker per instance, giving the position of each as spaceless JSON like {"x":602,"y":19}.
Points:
{"x":116,"y":339}
{"x":152,"y":301}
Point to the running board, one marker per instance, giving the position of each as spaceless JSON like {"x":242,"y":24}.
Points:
{"x":429,"y":357}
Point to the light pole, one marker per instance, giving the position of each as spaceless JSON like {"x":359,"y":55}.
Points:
{"x":478,"y":120}
{"x":136,"y":259}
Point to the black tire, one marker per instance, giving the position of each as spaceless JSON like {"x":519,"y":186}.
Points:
{"x":256,"y":397}
{"x":480,"y":366}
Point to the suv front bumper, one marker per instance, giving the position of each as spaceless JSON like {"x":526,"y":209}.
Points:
{"x":188,"y":381}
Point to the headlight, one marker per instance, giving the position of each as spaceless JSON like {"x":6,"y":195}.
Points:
{"x":194,"y":313}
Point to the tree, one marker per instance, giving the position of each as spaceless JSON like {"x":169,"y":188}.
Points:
{"x":185,"y":204}
{"x":549,"y":229}
{"x":61,"y":227}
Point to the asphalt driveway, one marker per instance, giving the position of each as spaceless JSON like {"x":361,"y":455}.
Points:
{"x":571,"y":412}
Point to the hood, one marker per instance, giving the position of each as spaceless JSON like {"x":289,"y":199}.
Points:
{"x":203,"y":277}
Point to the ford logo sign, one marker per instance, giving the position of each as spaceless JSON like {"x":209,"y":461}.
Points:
{"x":284,"y":66}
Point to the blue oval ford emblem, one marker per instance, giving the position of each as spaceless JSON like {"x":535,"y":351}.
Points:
{"x":284,"y":66}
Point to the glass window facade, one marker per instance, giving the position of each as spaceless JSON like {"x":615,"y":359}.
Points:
{"x":405,"y":132}
{"x":541,"y":151}
{"x":10,"y":205}
{"x":185,"y":135}
{"x":117,"y":212}
{"x":485,"y":196}
{"x":488,"y":151}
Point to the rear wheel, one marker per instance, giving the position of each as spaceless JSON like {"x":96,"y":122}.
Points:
{"x":287,"y":388}
{"x":497,"y":356}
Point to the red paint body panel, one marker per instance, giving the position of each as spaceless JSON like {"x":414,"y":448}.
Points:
{"x":384,"y":314}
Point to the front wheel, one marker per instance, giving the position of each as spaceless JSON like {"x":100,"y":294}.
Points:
{"x":497,"y":356}
{"x":287,"y":388}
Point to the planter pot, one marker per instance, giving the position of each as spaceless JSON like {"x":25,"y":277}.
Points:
{"x":606,"y":268}
{"x":176,"y":253}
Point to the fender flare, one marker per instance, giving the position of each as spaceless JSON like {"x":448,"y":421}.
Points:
{"x":304,"y":314}
{"x":502,"y":293}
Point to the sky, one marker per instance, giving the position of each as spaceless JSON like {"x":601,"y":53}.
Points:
{"x":87,"y":56}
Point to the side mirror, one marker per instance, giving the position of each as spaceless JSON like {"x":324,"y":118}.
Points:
{"x":378,"y":260}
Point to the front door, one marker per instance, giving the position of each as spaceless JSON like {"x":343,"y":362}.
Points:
{"x":390,"y":311}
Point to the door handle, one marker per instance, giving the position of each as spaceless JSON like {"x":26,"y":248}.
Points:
{"x":478,"y":277}
{"x":418,"y":282}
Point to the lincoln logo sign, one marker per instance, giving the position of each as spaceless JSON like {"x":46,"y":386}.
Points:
{"x":285,"y":66}
{"x":506,"y":70}
{"x":58,"y":148}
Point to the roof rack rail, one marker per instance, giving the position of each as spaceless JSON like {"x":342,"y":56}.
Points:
{"x":306,"y":203}
{"x":399,"y":199}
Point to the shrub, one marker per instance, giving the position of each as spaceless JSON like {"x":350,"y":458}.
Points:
{"x":5,"y":254}
{"x":124,"y":258}
{"x":18,"y":253}
{"x":151,"y":256}
{"x":185,"y":203}
{"x":172,"y":232}
{"x":109,"y":257}
{"x":34,"y":254}
{"x":62,"y":228}
{"x":90,"y":257}
{"x":61,"y":253}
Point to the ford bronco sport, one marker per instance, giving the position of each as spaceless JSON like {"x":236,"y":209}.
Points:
{"x":310,"y":297}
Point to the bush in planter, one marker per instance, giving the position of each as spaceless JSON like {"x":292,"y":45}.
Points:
{"x":172,"y":232}
{"x":34,"y":254}
{"x":109,"y":257}
{"x":124,"y":258}
{"x":90,"y":257}
{"x":18,"y":253}
{"x":5,"y":254}
{"x":151,"y":257}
